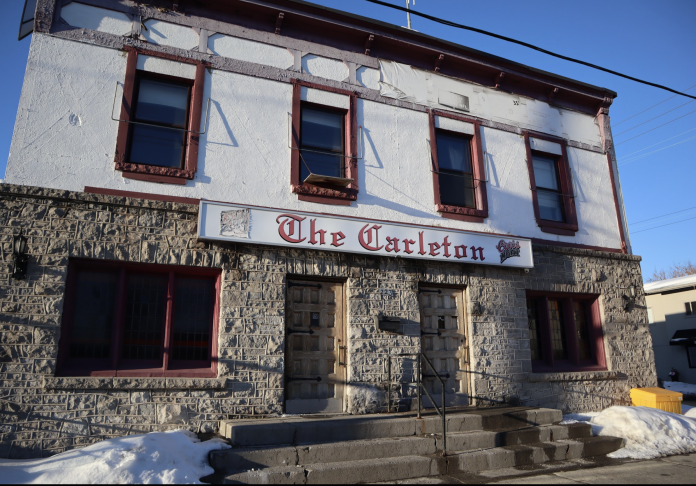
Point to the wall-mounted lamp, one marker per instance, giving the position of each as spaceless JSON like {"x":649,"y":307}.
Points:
{"x":19,"y":256}
{"x":630,"y":300}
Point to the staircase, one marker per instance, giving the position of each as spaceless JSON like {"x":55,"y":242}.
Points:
{"x":374,"y":448}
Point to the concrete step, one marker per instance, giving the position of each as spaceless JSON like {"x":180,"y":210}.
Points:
{"x":416,"y":466}
{"x":301,"y":430}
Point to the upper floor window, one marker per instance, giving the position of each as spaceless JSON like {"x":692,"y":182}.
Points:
{"x":162,"y":106}
{"x":322,"y":142}
{"x":548,"y":188}
{"x":564,"y":331}
{"x":551,"y":184}
{"x":138,"y":320}
{"x":690,"y":308}
{"x":455,"y":174}
{"x":160,"y":117}
{"x":458,"y":170}
{"x":324,"y":134}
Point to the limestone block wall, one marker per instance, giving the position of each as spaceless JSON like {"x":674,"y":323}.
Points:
{"x":41,"y":414}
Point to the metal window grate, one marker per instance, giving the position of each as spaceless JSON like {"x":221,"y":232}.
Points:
{"x":533,"y":323}
{"x":583,"y":330}
{"x":94,"y":315}
{"x":193,"y":306}
{"x":146,"y":309}
{"x":558,"y":334}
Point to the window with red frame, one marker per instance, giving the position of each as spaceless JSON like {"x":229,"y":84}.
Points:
{"x":138,"y":320}
{"x":159,"y":122}
{"x":457,"y":164}
{"x":565,"y":332}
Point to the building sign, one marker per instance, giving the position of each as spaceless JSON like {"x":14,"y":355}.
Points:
{"x":230,"y":222}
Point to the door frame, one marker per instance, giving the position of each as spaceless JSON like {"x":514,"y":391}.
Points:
{"x":344,"y":331}
{"x":465,"y":327}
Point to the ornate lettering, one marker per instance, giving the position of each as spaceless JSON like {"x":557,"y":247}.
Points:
{"x":368,"y":232}
{"x":392,"y":244}
{"x":434,"y":247}
{"x":289,"y":223}
{"x":313,"y":232}
{"x":421,"y":243}
{"x":474,"y":250}
{"x":407,"y":245}
{"x":456,"y":251}
{"x":446,"y":244}
{"x":337,"y":237}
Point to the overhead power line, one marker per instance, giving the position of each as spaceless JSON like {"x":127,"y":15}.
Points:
{"x":649,"y":108}
{"x":663,"y":215}
{"x":658,"y":143}
{"x":648,"y":131}
{"x":531,"y":46}
{"x":638,"y":157}
{"x":653,"y":118}
{"x":668,"y":224}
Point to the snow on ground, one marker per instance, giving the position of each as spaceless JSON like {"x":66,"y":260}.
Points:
{"x":159,"y":457}
{"x":678,"y":386}
{"x":648,"y":432}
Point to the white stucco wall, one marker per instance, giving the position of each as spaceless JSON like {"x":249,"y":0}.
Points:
{"x":95,"y":18}
{"x":64,"y":138}
{"x":246,"y":50}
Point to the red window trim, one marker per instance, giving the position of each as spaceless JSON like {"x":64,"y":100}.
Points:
{"x":480,"y":213}
{"x":67,"y":367}
{"x":325,"y":194}
{"x":570,"y":227}
{"x":151,"y":173}
{"x":547,"y":364}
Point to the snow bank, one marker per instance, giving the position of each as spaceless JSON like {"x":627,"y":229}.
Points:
{"x":157,"y":458}
{"x":649,"y":432}
{"x":678,"y":386}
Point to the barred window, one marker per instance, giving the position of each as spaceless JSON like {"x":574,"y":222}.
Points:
{"x":564,"y":332}
{"x":138,"y":320}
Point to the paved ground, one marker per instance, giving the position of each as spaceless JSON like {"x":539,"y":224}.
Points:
{"x":666,"y":470}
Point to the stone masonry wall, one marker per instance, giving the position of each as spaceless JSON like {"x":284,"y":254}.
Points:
{"x":41,"y":414}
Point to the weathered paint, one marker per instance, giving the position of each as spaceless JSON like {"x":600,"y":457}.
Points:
{"x":545,"y":146}
{"x":250,"y":51}
{"x":246,"y":147}
{"x":324,"y":67}
{"x":326,"y":98}
{"x":454,"y":125}
{"x":168,"y":34}
{"x":423,"y":87}
{"x":368,"y":77}
{"x":95,"y":18}
{"x":165,"y":66}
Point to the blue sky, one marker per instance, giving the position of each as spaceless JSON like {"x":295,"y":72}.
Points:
{"x":651,"y":40}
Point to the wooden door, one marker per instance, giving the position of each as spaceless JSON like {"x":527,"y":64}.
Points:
{"x":315,"y":347}
{"x":443,"y":341}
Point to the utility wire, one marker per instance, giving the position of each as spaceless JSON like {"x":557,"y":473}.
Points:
{"x":656,"y":127}
{"x":525,"y":44}
{"x":663,"y":215}
{"x":650,"y":108}
{"x":638,"y":157}
{"x":658,"y":143}
{"x":653,"y":118}
{"x":655,"y":227}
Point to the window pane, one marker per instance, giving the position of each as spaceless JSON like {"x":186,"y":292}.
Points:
{"x":457,"y":189}
{"x":688,"y":308}
{"x":534,"y":333}
{"x":157,"y":146}
{"x":94,"y":314}
{"x":558,"y":334}
{"x":582,"y":326}
{"x":320,"y":164}
{"x":162,"y":102}
{"x":545,"y":172}
{"x":550,"y":205}
{"x":453,"y":153}
{"x":192,"y":320}
{"x":322,"y":129}
{"x":146,"y":308}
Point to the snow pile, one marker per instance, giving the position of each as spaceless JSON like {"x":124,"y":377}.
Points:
{"x":159,"y":457}
{"x":648,"y":432}
{"x":678,"y":386}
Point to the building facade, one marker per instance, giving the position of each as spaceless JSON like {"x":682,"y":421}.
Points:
{"x":243,"y":209}
{"x":672,"y":316}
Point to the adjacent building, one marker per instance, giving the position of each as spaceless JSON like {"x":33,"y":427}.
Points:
{"x":248,"y":208}
{"x":672,"y":316}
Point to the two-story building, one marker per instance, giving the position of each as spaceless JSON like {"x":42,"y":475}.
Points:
{"x":249,"y":208}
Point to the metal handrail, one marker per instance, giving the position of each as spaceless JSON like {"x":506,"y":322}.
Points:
{"x":419,"y":385}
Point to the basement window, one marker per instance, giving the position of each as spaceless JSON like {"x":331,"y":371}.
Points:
{"x":138,"y":320}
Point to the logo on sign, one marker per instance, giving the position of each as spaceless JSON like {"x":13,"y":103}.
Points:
{"x":508,"y":249}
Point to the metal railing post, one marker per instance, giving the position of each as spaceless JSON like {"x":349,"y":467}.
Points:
{"x":389,"y":384}
{"x":418,"y":385}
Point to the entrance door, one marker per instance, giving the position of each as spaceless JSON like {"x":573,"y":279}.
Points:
{"x":315,"y":347}
{"x":443,"y":342}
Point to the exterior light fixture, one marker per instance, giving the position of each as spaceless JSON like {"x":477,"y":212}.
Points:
{"x":630,"y":300}
{"x":19,"y":256}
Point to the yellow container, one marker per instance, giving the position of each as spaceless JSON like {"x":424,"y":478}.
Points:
{"x":669,"y":401}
